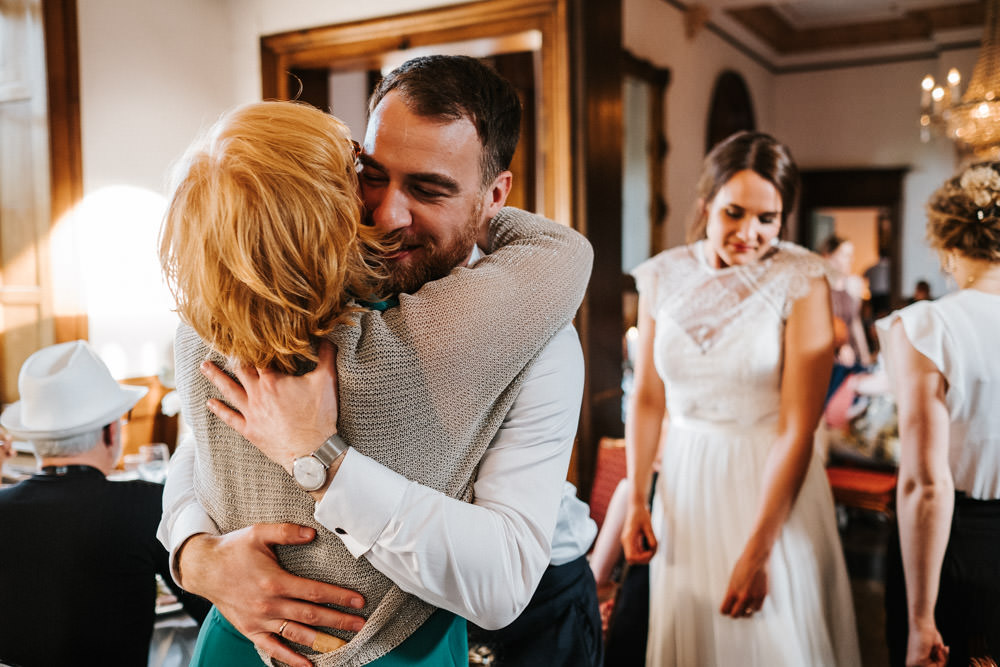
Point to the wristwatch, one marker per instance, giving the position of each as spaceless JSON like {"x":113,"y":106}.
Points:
{"x":310,"y":471}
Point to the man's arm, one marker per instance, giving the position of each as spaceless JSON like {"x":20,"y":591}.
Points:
{"x":265,"y":594}
{"x":182,"y":517}
{"x":481,"y":560}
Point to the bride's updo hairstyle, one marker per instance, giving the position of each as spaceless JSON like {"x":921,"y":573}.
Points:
{"x":756,"y":151}
{"x":964,"y":214}
{"x":262,"y":245}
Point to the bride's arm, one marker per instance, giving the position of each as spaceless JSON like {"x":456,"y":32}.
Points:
{"x":808,"y":361}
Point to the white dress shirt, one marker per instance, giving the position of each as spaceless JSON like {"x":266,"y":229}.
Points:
{"x":482,"y":560}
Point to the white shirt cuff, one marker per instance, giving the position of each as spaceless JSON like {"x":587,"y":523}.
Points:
{"x":359,"y":524}
{"x":191,"y":521}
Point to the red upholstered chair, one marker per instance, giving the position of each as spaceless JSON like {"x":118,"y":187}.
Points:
{"x":610,"y":470}
{"x":860,"y":488}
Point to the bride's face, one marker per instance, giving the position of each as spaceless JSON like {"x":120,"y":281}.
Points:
{"x":744,"y":218}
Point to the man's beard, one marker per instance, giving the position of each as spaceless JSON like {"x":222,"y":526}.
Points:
{"x":434,"y":261}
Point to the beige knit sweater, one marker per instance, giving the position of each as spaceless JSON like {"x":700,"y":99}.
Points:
{"x":424,"y":387}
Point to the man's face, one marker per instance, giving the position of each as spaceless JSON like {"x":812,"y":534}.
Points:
{"x":420,"y":180}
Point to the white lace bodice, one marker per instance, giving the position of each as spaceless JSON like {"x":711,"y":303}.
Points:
{"x":720,"y":332}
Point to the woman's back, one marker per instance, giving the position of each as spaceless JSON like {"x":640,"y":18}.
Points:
{"x":958,"y":333}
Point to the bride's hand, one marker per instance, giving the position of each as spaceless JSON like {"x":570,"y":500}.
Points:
{"x":638,"y":539}
{"x":747,"y":587}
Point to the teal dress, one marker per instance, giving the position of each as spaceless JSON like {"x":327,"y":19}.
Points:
{"x":442,"y":641}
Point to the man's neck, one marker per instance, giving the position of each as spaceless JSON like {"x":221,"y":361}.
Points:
{"x":86,"y":459}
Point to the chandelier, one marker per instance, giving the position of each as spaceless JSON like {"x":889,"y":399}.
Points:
{"x":972,"y":121}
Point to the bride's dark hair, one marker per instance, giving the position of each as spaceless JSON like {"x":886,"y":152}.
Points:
{"x":756,"y":151}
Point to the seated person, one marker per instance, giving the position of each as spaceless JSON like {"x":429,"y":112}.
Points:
{"x":6,"y":451}
{"x":859,"y":420}
{"x":79,"y":561}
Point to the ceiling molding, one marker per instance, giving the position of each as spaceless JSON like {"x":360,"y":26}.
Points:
{"x":767,"y":37}
{"x":916,"y":25}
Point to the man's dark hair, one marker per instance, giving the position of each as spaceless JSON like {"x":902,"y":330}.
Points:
{"x":456,"y":87}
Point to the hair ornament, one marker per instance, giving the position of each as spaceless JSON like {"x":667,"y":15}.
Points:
{"x":981,"y":184}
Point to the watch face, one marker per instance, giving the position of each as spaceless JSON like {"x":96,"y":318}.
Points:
{"x":309,"y":473}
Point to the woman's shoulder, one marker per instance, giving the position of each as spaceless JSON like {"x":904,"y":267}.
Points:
{"x":789,"y":272}
{"x":795,"y":257}
{"x":682,"y":254}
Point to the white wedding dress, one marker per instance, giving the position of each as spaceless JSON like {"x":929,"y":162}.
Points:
{"x":718,"y":349}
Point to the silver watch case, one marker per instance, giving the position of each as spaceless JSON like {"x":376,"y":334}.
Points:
{"x":310,"y":471}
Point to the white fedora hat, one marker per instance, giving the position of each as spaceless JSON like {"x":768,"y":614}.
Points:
{"x":66,"y":390}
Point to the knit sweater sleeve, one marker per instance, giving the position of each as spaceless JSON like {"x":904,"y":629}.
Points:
{"x":508,"y":306}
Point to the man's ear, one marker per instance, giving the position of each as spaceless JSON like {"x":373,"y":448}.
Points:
{"x":495,"y":197}
{"x":110,"y":431}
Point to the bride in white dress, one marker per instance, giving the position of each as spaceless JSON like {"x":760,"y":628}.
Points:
{"x":736,"y":347}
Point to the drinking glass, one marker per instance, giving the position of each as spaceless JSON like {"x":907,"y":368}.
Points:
{"x":153,"y":460}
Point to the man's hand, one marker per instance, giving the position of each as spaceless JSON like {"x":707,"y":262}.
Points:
{"x":285,"y":416}
{"x":239,"y":574}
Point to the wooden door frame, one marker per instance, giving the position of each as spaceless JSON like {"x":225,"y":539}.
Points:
{"x":580,"y":114}
{"x":62,"y":63}
{"x":863,"y":187}
{"x":365,"y":40}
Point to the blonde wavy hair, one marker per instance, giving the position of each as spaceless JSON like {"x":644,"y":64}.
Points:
{"x":964,"y":213}
{"x":262,"y":245}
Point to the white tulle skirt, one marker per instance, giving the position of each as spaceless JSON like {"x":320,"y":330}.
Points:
{"x":706,"y":500}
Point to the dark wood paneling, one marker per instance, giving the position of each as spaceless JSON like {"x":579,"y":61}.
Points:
{"x":597,"y":100}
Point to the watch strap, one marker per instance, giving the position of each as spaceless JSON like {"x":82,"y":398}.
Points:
{"x":331,"y":448}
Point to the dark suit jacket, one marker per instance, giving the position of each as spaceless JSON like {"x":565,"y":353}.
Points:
{"x":78,"y":555}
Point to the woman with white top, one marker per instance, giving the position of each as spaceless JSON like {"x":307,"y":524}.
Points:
{"x":736,"y":346}
{"x":945,"y":372}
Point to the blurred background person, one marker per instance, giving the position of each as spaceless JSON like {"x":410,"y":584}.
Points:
{"x":879,"y":286}
{"x":943,"y":585}
{"x":846,"y":294}
{"x":921,"y":291}
{"x":736,"y":344}
{"x":78,"y":567}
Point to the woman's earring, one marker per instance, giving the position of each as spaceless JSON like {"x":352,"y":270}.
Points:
{"x":948,"y":263}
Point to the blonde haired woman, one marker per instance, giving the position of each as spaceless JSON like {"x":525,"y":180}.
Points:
{"x":264,"y":250}
{"x":943,"y":594}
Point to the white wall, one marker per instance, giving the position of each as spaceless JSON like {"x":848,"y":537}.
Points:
{"x":867,"y":117}
{"x":153,"y":75}
{"x":654,"y":31}
{"x":847,"y":117}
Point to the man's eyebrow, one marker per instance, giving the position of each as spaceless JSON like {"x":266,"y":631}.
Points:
{"x":450,"y":185}
{"x":431,"y":178}
{"x":368,"y":161}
